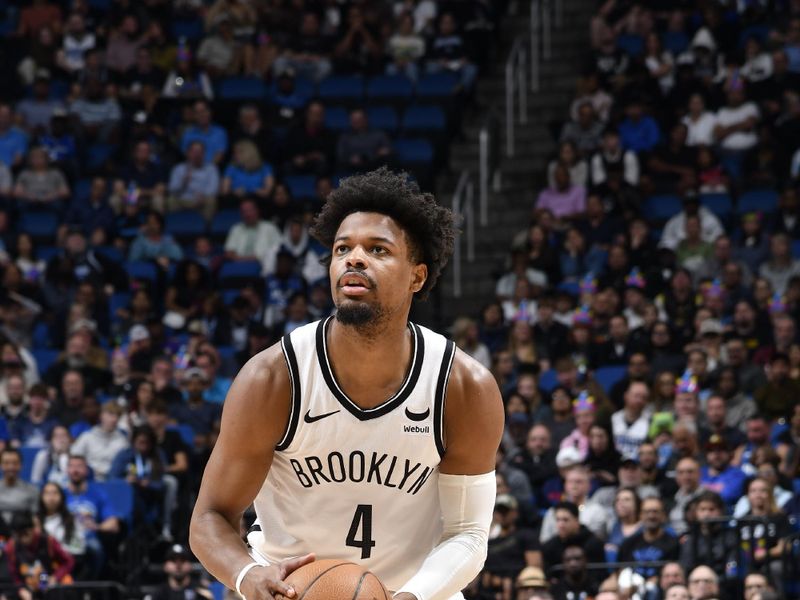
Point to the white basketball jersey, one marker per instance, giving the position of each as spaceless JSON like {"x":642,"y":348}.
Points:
{"x":354,"y":484}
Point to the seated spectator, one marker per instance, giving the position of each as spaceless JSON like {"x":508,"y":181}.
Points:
{"x":37,"y":112}
{"x":569,"y":531}
{"x":703,"y":583}
{"x":178,"y":567}
{"x":248,"y":174}
{"x":700,"y":123}
{"x":708,"y":539}
{"x":512,"y":548}
{"x":94,"y":212}
{"x":627,"y":520}
{"x":719,"y":475}
{"x":60,"y":524}
{"x":569,"y":157}
{"x":631,"y":424}
{"x":194,"y":410}
{"x":50,"y":463}
{"x":532,"y":585}
{"x":143,"y":178}
{"x":219,"y":54}
{"x":610,"y":157}
{"x":13,"y":141}
{"x":308,"y":51}
{"x":183,"y":300}
{"x":638,"y":131}
{"x":143,"y":80}
{"x":60,"y":143}
{"x":213,"y":137}
{"x":755,"y":584}
{"x":565,"y":200}
{"x":186,"y":80}
{"x":405,"y":48}
{"x":310,"y":146}
{"x":576,"y":490}
{"x":585,"y":130}
{"x":448,"y":52}
{"x":143,"y":465}
{"x":758,"y":63}
{"x":735,"y":131}
{"x":123,"y":43}
{"x":288,"y":101}
{"x":675,"y":229}
{"x":780,"y":265}
{"x":653,"y":542}
{"x":251,"y":127}
{"x":779,"y":393}
{"x":40,"y":184}
{"x":194,"y":184}
{"x":692,"y":251}
{"x":362,"y":148}
{"x":359,"y":48}
{"x":153,"y":244}
{"x":36,"y":424}
{"x":672,"y":164}
{"x":102,"y":442}
{"x":660,"y":63}
{"x":97,"y":113}
{"x":76,"y":42}
{"x":79,"y":355}
{"x":16,"y":495}
{"x":25,"y":551}
{"x":575,"y":580}
{"x":217,"y":385}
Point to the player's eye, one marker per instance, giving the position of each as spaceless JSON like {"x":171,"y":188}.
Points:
{"x":340,"y":249}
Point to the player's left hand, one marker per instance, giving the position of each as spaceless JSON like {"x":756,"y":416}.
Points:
{"x":267,"y":583}
{"x":404,"y":596}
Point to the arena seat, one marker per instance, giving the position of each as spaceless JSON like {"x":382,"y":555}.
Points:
{"x":190,"y":29}
{"x":28,"y":456}
{"x":45,"y":357}
{"x":301,"y":187}
{"x":548,"y":380}
{"x":761,"y":200}
{"x":242,"y":88}
{"x":384,"y":118}
{"x":661,"y":208}
{"x":607,"y":377}
{"x":413,"y":152}
{"x":437,"y":85}
{"x":142,"y":270}
{"x":185,"y":225}
{"x":41,"y":225}
{"x":237,"y":273}
{"x":390,"y":88}
{"x":423,"y":120}
{"x":630,"y":44}
{"x":719,"y":204}
{"x":120,"y":497}
{"x":222,"y":222}
{"x":47,"y":253}
{"x":111,"y":253}
{"x":342,"y":89}
{"x":337,"y":119}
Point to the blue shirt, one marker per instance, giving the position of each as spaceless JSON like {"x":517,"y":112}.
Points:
{"x":215,"y":140}
{"x":143,"y":248}
{"x":217,"y":391}
{"x":641,"y":136}
{"x":729,"y":484}
{"x":249,"y":181}
{"x":91,"y":505}
{"x":3,"y":430}
{"x":13,"y":145}
{"x":200,"y":417}
{"x":59,"y":148}
{"x":32,"y":434}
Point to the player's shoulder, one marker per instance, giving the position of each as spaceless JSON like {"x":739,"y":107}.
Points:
{"x":471,"y":383}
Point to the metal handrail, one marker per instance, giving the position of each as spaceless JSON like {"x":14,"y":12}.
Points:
{"x":488,"y":159}
{"x":464,"y":214}
{"x":515,"y":86}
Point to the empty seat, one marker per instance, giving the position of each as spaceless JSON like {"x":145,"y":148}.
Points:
{"x":242,"y":88}
{"x":222,"y":222}
{"x":337,"y":119}
{"x":438,"y":85}
{"x":607,"y":377}
{"x":45,"y":357}
{"x":40,"y":225}
{"x":719,"y":204}
{"x":424,"y":119}
{"x":661,"y":208}
{"x":348,"y":89}
{"x":185,"y":224}
{"x":757,"y":200}
{"x":383,"y":118}
{"x":142,"y":270}
{"x":413,"y":152}
{"x":301,"y":186}
{"x":389,"y":88}
{"x":237,"y":273}
{"x":630,"y":44}
{"x":120,"y":497}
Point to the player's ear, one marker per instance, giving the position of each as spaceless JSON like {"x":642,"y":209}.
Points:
{"x":419,"y":275}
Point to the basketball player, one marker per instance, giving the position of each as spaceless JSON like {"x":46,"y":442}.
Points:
{"x":361,"y":437}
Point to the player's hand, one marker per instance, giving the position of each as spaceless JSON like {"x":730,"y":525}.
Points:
{"x":266,"y":583}
{"x":404,"y":596}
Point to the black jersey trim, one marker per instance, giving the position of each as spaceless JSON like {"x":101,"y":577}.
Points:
{"x":441,"y":396}
{"x":294,"y":378}
{"x":365,"y":414}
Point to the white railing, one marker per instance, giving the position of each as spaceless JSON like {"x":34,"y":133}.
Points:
{"x":516,"y":91}
{"x":488,"y":159}
{"x":464,"y":215}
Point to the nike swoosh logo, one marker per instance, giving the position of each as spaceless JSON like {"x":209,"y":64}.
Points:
{"x":309,"y":419}
{"x":418,"y":416}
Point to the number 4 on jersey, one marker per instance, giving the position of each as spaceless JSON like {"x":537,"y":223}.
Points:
{"x":362,"y":520}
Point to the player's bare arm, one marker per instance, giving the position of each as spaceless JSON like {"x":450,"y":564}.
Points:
{"x":256,"y":413}
{"x":473,"y":428}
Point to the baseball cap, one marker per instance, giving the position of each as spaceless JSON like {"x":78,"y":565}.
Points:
{"x":717,"y":442}
{"x":531,"y":577}
{"x":194,"y":372}
{"x":197,"y":327}
{"x":568,"y":457}
{"x":629,"y":462}
{"x":506,"y":501}
{"x":178,"y":551}
{"x":711,"y":326}
{"x":138,"y":333}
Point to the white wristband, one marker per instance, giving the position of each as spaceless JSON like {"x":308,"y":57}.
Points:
{"x":240,"y":577}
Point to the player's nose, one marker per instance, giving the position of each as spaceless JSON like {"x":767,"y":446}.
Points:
{"x":357,"y":258}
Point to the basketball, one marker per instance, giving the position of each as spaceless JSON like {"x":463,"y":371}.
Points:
{"x":332,"y":579}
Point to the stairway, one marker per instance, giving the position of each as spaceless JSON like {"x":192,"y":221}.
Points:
{"x":522,"y":176}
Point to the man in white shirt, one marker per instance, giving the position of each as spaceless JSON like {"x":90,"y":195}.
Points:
{"x":631,"y":424}
{"x":252,"y":239}
{"x":675,"y":229}
{"x":576,"y":489}
{"x":736,"y":122}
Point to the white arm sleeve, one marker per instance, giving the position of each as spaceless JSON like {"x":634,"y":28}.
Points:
{"x":467,"y":503}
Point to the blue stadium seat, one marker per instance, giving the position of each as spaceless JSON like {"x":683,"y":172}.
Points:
{"x":192,"y":29}
{"x":59,"y":89}
{"x":759,"y":32}
{"x":46,"y":253}
{"x":765,"y":201}
{"x":226,"y":352}
{"x":608,"y":376}
{"x":100,"y":5}
{"x":675,"y":42}
{"x":185,"y":224}
{"x":661,"y":208}
{"x":116,"y":301}
{"x":337,"y":119}
{"x":97,"y":155}
{"x":337,"y":88}
{"x":81,"y":189}
{"x":429,"y":119}
{"x":186,"y":432}
{"x":40,"y":337}
{"x":719,"y":204}
{"x":222,"y":222}
{"x":301,"y":186}
{"x":572,"y":288}
{"x":242,"y":88}
{"x":218,"y":590}
{"x":44,"y":357}
{"x":40,"y":225}
{"x":413,"y":152}
{"x":237,"y":272}
{"x":438,"y":85}
{"x":111,"y":253}
{"x":630,"y":44}
{"x":796,"y":248}
{"x":120,"y":497}
{"x":389,"y":88}
{"x":548,"y":380}
{"x":384,"y":118}
{"x":28,"y":456}
{"x":142,"y":270}
{"x":229,"y":295}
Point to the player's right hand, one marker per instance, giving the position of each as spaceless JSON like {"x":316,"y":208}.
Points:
{"x":267,"y":583}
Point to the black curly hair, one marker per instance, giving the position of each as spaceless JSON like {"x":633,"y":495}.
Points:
{"x":429,"y":228}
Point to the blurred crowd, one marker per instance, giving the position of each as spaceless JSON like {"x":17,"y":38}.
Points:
{"x":644,"y":329}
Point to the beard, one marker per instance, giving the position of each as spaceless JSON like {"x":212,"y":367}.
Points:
{"x":356,"y":314}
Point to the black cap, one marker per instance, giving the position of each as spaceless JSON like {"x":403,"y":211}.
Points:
{"x":178,"y":551}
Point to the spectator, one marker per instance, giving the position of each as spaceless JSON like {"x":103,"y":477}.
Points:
{"x":736,"y":122}
{"x":50,"y":463}
{"x":672,"y":164}
{"x":638,"y":132}
{"x":675,"y":229}
{"x":405,"y":48}
{"x":218,"y":386}
{"x":97,"y":112}
{"x":310,"y":145}
{"x":703,"y":583}
{"x":153,"y":244}
{"x":186,"y":81}
{"x":39,"y":184}
{"x":213,"y":137}
{"x":178,"y":568}
{"x":123,"y":44}
{"x":103,"y":442}
{"x":627,"y":522}
{"x":780,"y":265}
{"x":465,"y":334}
{"x":719,"y":475}
{"x":219,"y":54}
{"x":37,"y":112}
{"x":36,"y":425}
{"x":308,"y":52}
{"x":631,"y":423}
{"x":252,"y":128}
{"x":653,"y":542}
{"x":16,"y":495}
{"x":568,"y":156}
{"x":362,"y":148}
{"x":611,"y":158}
{"x":687,"y":477}
{"x":779,"y":393}
{"x":532,"y":585}
{"x":56,"y":520}
{"x":700,"y":123}
{"x":359,"y":49}
{"x":569,"y":531}
{"x":585,"y":131}
{"x":247,"y":174}
{"x":511,"y":548}
{"x":13,"y":141}
{"x":194,"y":184}
{"x":576,"y":579}
{"x":754,"y":585}
{"x":143,"y":80}
{"x":76,"y":43}
{"x":565,"y":200}
{"x":576,"y":490}
{"x":194,"y":410}
{"x":141,"y":179}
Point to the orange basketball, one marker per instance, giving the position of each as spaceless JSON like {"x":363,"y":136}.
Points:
{"x":331,"y":579}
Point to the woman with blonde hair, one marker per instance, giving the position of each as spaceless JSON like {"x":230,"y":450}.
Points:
{"x":248,"y":174}
{"x":466,"y":336}
{"x":763,"y":537}
{"x":521,"y":343}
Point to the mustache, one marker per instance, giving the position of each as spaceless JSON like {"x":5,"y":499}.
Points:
{"x":369,"y":279}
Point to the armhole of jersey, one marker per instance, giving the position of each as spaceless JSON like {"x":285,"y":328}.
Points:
{"x":294,"y":378}
{"x":441,"y":396}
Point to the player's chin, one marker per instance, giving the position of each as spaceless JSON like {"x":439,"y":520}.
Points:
{"x":350,"y":311}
